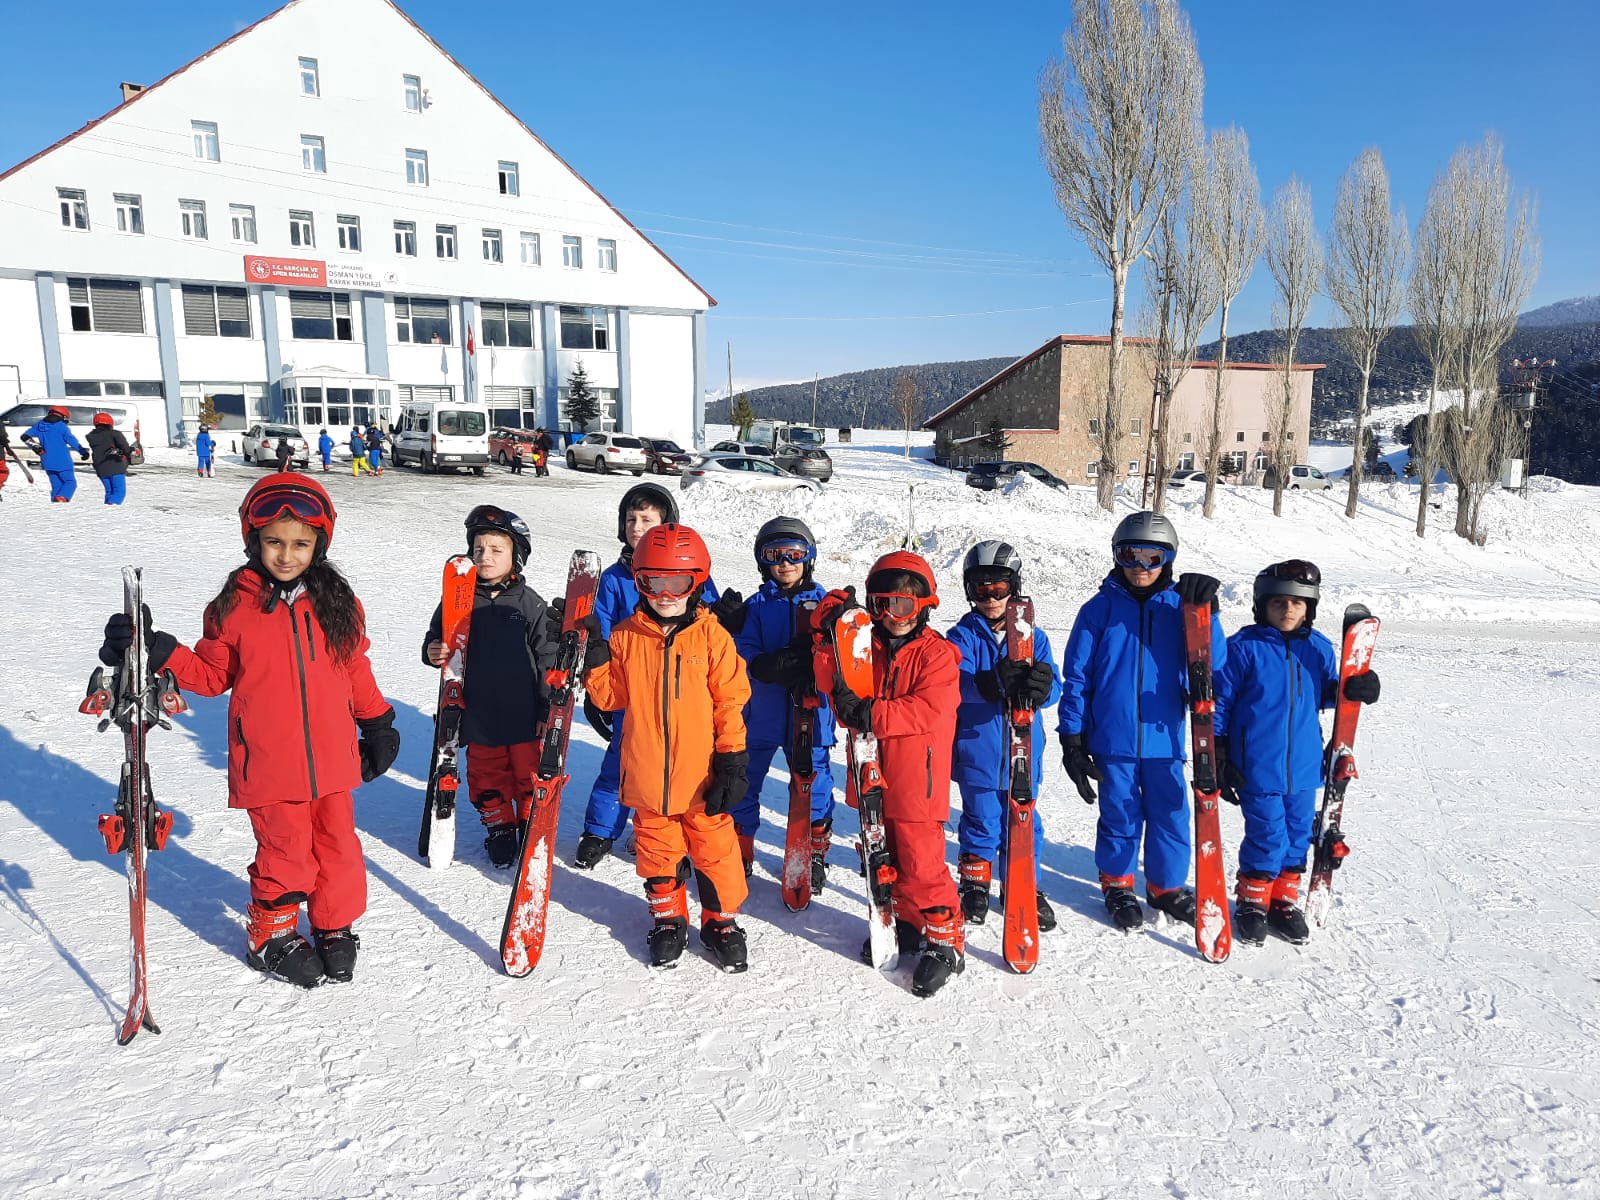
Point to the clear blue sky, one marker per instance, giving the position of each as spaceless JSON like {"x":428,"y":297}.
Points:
{"x":879,"y":162}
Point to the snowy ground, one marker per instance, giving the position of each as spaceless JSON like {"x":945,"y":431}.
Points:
{"x":1440,"y":1038}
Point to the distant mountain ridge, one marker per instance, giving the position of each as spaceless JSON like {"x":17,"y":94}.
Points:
{"x":1579,"y":310}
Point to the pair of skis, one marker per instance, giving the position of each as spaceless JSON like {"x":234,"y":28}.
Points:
{"x":134,"y":699}
{"x":804,"y":704}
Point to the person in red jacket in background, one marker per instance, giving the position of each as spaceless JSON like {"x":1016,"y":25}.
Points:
{"x":287,"y":635}
{"x":912,"y":712}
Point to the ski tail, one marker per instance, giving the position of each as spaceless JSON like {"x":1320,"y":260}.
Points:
{"x":1019,"y":896}
{"x":1213,"y":928}
{"x":436,"y":840}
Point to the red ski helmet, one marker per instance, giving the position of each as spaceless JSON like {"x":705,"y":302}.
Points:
{"x":897,"y":562}
{"x":103,"y":419}
{"x":671,"y":561}
{"x":287,"y":494}
{"x":58,"y":410}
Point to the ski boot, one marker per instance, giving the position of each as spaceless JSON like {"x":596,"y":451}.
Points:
{"x":942,"y":954}
{"x":274,"y":947}
{"x":337,"y":949}
{"x":821,"y":843}
{"x":1178,"y":903}
{"x":1121,"y":903}
{"x":1047,"y":915}
{"x":907,"y":939}
{"x":504,"y":836}
{"x":591,"y":849}
{"x":747,"y":851}
{"x":669,"y":905}
{"x":976,"y":874}
{"x":720,"y":934}
{"x":1252,"y":895}
{"x":1284,"y":918}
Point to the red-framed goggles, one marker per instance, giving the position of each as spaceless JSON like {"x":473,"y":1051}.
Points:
{"x":902,"y":606}
{"x":666,"y":585}
{"x":1143,"y":557}
{"x":791,"y":552}
{"x":276,"y":503}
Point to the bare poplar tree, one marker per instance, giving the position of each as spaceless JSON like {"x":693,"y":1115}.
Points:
{"x":908,"y":403}
{"x":1368,"y":248}
{"x":1228,"y":205}
{"x":1118,"y":116}
{"x":1434,"y":294}
{"x":1294,"y":256}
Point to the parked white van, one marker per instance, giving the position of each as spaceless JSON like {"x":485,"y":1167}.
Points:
{"x":441,"y":435}
{"x":20,"y":418}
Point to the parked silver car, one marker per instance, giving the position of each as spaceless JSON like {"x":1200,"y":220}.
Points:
{"x":261,"y":446}
{"x":1302,"y":477}
{"x":744,"y":471}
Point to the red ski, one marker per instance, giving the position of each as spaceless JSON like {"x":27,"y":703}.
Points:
{"x":1019,"y":896}
{"x":1327,"y":839}
{"x":522,"y":935}
{"x":804,"y":703}
{"x":1213,"y":928}
{"x":437,"y":840}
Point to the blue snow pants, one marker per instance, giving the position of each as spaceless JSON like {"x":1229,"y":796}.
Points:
{"x":1277,"y":831}
{"x":1148,"y":797}
{"x":375,"y":458}
{"x":607,"y":816}
{"x":62,"y":484}
{"x":116,"y":488}
{"x":202,"y":464}
{"x":982,"y":829}
{"x":747,"y":813}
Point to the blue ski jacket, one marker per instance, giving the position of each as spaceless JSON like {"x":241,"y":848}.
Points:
{"x":204,"y":445}
{"x":1269,"y":695}
{"x":56,"y":444}
{"x":1124,"y":673}
{"x":983,"y":737}
{"x":325,"y":446}
{"x":358,"y":444}
{"x":770,"y":626}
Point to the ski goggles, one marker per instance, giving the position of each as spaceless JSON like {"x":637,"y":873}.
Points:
{"x":1143,"y":557}
{"x":1296,"y":570}
{"x":489,"y":517}
{"x":990,"y":589}
{"x":666,"y":585}
{"x":276,"y":503}
{"x":901,"y":606}
{"x":791,"y":552}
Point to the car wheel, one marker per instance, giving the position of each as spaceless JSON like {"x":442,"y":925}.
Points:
{"x":479,"y":470}
{"x":503,"y":460}
{"x":572,"y":461}
{"x":601,"y":466}
{"x":638,"y":473}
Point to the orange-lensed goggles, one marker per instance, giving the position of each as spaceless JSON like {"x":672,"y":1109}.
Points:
{"x":902,"y":606}
{"x":666,"y":585}
{"x":990,"y":589}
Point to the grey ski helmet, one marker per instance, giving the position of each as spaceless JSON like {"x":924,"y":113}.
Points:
{"x":652,"y":494}
{"x":1295,"y":577}
{"x":992,"y":556}
{"x":1146,"y":528}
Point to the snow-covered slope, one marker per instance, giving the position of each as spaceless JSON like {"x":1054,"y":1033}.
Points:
{"x":1440,"y":1038}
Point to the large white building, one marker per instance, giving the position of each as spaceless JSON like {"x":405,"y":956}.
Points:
{"x":318,"y":219}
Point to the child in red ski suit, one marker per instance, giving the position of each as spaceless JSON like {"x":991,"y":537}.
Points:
{"x":287,"y":636}
{"x":912,"y":712}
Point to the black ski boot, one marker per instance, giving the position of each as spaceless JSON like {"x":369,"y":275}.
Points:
{"x":1289,"y":923}
{"x":591,"y":849}
{"x":941,"y":955}
{"x":725,"y":940}
{"x":669,"y":905}
{"x":1047,"y":915}
{"x":907,"y":938}
{"x":274,"y":947}
{"x":1250,"y":924}
{"x":337,"y":948}
{"x":1124,"y":908}
{"x":502,"y":844}
{"x":1177,"y":903}
{"x":821,"y":843}
{"x":976,"y":874}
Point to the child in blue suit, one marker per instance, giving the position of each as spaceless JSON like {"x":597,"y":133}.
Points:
{"x":204,"y":447}
{"x":325,"y":448}
{"x":53,"y":440}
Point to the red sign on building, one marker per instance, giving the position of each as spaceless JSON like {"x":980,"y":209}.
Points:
{"x":307,"y":272}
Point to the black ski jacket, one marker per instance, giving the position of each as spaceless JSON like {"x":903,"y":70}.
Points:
{"x":509,"y":649}
{"x":109,"y":450}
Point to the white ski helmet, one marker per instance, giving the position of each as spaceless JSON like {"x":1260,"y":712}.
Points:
{"x":992,"y":556}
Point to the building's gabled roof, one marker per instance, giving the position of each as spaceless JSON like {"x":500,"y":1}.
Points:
{"x":248,"y":29}
{"x":1086,"y":339}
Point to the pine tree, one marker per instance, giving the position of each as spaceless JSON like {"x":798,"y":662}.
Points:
{"x":997,"y":442}
{"x":743,"y":415}
{"x":583,"y":406}
{"x":208,"y":412}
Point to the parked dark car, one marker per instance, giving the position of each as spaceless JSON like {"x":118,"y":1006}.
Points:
{"x":1382,"y":470}
{"x":665,"y":456}
{"x":811,"y":461}
{"x":991,"y":475}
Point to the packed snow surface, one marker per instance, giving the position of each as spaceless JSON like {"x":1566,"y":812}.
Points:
{"x":1441,"y":1037}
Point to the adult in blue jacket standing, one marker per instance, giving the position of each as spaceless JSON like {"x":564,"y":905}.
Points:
{"x":643,"y":507}
{"x":779,"y":656}
{"x":325,"y":448}
{"x":1280,"y":674}
{"x":204,"y":448}
{"x":991,"y":684}
{"x":52,"y":439}
{"x":1121,"y":717}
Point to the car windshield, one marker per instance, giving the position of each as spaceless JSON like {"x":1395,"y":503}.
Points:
{"x":804,"y":436}
{"x":283,"y":431}
{"x":666,"y":446}
{"x":461,"y":422}
{"x":630,"y":443}
{"x":1036,"y":471}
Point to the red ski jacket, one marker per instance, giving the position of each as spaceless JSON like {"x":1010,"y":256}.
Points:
{"x":914,"y":718}
{"x":292,"y":715}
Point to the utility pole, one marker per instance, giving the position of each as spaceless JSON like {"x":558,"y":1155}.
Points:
{"x":814,"y":379}
{"x":730,"y":381}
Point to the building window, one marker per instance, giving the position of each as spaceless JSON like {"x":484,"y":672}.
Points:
{"x":1261,"y":461}
{"x":572,"y":252}
{"x":1133,"y":467}
{"x":1289,"y":436}
{"x":349,"y":232}
{"x":321,"y":316}
{"x":106,"y":305}
{"x":513,"y":407}
{"x":530,"y":249}
{"x":413,"y":85}
{"x":206,"y":144}
{"x":493,"y":247}
{"x":1135,"y":426}
{"x":607,"y":398}
{"x":130,"y":213}
{"x":192,"y":213}
{"x":607,"y":254}
{"x":1239,"y":436}
{"x":1093,"y":470}
{"x":313,"y":154}
{"x":421,"y":320}
{"x":506,"y":324}
{"x":417,"y":168}
{"x":1265,"y":436}
{"x":216,"y":311}
{"x":74,"y":208}
{"x":1094,"y":427}
{"x":585,"y":328}
{"x":310,"y":85}
{"x":405,"y":238}
{"x":1186,"y":461}
{"x":301,"y":231}
{"x":1188,"y":439}
{"x":510,"y":185}
{"x":243,"y":219}
{"x":444,"y":241}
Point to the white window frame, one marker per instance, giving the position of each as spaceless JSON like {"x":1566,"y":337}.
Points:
{"x":192,"y":219}
{"x":528,"y":249}
{"x":1094,"y":426}
{"x":1133,"y":468}
{"x":494,"y":246}
{"x":313,"y":153}
{"x":405,"y":239}
{"x":349,"y":227}
{"x":130,"y":212}
{"x":302,"y":229}
{"x":606,"y":254}
{"x":444,"y":239}
{"x":1136,"y":426}
{"x":207,"y":141}
{"x":416,"y":167}
{"x":74,"y":208}
{"x":572,"y":251}
{"x":310,"y":77}
{"x":1093,"y":470}
{"x":510,"y":178}
{"x":242,"y":222}
{"x":1186,"y":461}
{"x":412,"y":85}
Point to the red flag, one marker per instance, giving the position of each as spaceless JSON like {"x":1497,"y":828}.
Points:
{"x":471,"y":349}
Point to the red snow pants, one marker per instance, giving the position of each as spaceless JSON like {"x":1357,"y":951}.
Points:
{"x":310,"y":850}
{"x":505,"y":771}
{"x":923,"y":880}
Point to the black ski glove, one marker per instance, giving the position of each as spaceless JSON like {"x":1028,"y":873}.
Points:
{"x":729,"y":780}
{"x":1031,"y":689}
{"x":853,"y":712}
{"x":1228,"y":776}
{"x":599,"y":720}
{"x":1362,"y":688}
{"x":1080,"y":764}
{"x":84,"y":455}
{"x":787,"y":668}
{"x":1194,"y":588}
{"x":596,"y":650}
{"x":158,"y":646}
{"x":730,"y":610}
{"x":379,"y":745}
{"x":554,"y":617}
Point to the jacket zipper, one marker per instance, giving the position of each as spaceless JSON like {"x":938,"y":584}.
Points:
{"x":1138,"y":688}
{"x":1288,"y":741}
{"x":305,"y":705}
{"x":311,"y":642}
{"x":930,"y":773}
{"x":244,"y":767}
{"x":666,"y":722}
